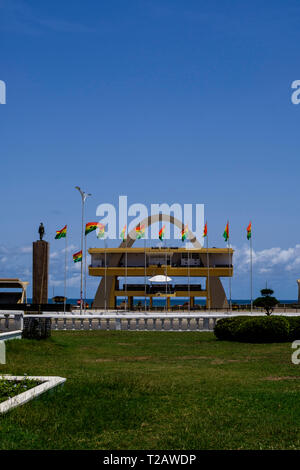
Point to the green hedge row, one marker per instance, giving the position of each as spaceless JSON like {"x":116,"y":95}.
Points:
{"x":260,"y":329}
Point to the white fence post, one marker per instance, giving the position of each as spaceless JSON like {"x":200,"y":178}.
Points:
{"x":6,"y":323}
{"x":206,"y":323}
{"x":18,"y":321}
{"x":2,"y":353}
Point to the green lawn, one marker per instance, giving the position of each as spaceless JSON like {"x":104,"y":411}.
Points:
{"x":155,"y":390}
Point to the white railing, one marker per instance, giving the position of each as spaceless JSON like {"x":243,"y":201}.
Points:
{"x":134,"y":322}
{"x":120,"y":321}
{"x":12,"y":321}
{"x":116,"y":321}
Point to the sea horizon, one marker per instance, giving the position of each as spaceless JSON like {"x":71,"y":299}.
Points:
{"x":157,"y":302}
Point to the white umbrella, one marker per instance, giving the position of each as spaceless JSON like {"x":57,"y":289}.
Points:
{"x":160,"y":278}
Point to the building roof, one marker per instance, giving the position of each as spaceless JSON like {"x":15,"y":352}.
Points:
{"x":160,"y":250}
{"x":12,"y":283}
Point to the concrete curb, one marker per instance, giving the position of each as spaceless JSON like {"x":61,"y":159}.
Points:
{"x":48,"y":384}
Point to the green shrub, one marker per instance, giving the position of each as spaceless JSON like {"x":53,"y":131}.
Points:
{"x":254,"y":329}
{"x":225,"y":328}
{"x":294,"y":328}
{"x":263,"y":330}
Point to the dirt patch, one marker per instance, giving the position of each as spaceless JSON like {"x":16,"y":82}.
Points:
{"x":228,"y":361}
{"x":193,"y":357}
{"x":136,"y":358}
{"x":288,"y":377}
{"x":101,"y":360}
{"x":125,"y":358}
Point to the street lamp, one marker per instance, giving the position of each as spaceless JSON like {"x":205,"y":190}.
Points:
{"x":83,"y":199}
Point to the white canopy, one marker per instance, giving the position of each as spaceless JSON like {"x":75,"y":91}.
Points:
{"x":160,"y":278}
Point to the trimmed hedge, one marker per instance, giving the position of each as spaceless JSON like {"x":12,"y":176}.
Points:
{"x":225,"y":329}
{"x":294,"y":328}
{"x":260,"y":329}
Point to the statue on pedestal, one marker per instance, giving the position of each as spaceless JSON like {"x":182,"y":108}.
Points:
{"x":41,"y":231}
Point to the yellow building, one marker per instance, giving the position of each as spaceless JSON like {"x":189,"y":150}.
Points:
{"x":128,"y":262}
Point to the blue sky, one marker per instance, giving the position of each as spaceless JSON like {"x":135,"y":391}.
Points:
{"x":162,"y":101}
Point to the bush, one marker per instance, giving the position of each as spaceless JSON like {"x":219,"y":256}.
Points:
{"x":225,"y":329}
{"x":294,"y":328}
{"x":255,"y":329}
{"x":263,"y":330}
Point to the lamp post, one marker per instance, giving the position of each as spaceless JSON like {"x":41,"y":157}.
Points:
{"x":83,"y":199}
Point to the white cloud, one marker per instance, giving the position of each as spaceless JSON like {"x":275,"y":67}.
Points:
{"x":264,"y":270}
{"x":3,"y":250}
{"x":268,"y":260}
{"x":26,"y":249}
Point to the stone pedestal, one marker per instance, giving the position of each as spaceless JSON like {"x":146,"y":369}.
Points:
{"x":40,"y":266}
{"x":36,"y":328}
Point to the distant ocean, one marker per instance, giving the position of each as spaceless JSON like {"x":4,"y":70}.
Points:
{"x":160,"y":302}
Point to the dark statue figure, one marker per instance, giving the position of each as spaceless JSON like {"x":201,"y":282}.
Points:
{"x":41,"y":230}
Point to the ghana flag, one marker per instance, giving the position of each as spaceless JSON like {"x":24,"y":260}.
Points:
{"x":123,"y":233}
{"x":161,"y":233}
{"x":101,"y":232}
{"x":77,"y":256}
{"x":61,"y":233}
{"x":184,"y":233}
{"x":249,"y":228}
{"x":140,"y":231}
{"x":90,"y":227}
{"x":205,"y":230}
{"x":226,"y":232}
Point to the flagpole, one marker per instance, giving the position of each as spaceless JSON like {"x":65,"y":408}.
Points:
{"x":126,"y":298}
{"x":145,"y":274}
{"x":230,"y":307}
{"x":83,"y":198}
{"x":105,"y":268}
{"x":166,"y":277}
{"x":189,"y":289}
{"x":81,"y":267}
{"x":85,"y":273}
{"x":251,"y":273}
{"x":65,"y":283}
{"x":208,"y":286}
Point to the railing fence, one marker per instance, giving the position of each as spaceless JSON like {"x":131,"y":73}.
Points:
{"x":119,"y":322}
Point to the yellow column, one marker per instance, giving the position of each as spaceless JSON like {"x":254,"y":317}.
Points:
{"x":112,"y":294}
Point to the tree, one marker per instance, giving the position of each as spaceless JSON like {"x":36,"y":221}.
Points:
{"x":266,"y":301}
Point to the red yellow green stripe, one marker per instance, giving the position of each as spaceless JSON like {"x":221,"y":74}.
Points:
{"x":140,"y":231}
{"x":123,"y":233}
{"x":249,"y":228}
{"x":101,"y":232}
{"x":77,"y":256}
{"x":184,"y":232}
{"x":61,"y":233}
{"x":205,"y":230}
{"x":226,"y":232}
{"x":161,"y":233}
{"x":89,"y":227}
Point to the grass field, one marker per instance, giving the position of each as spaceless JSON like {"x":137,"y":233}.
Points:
{"x":155,"y":390}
